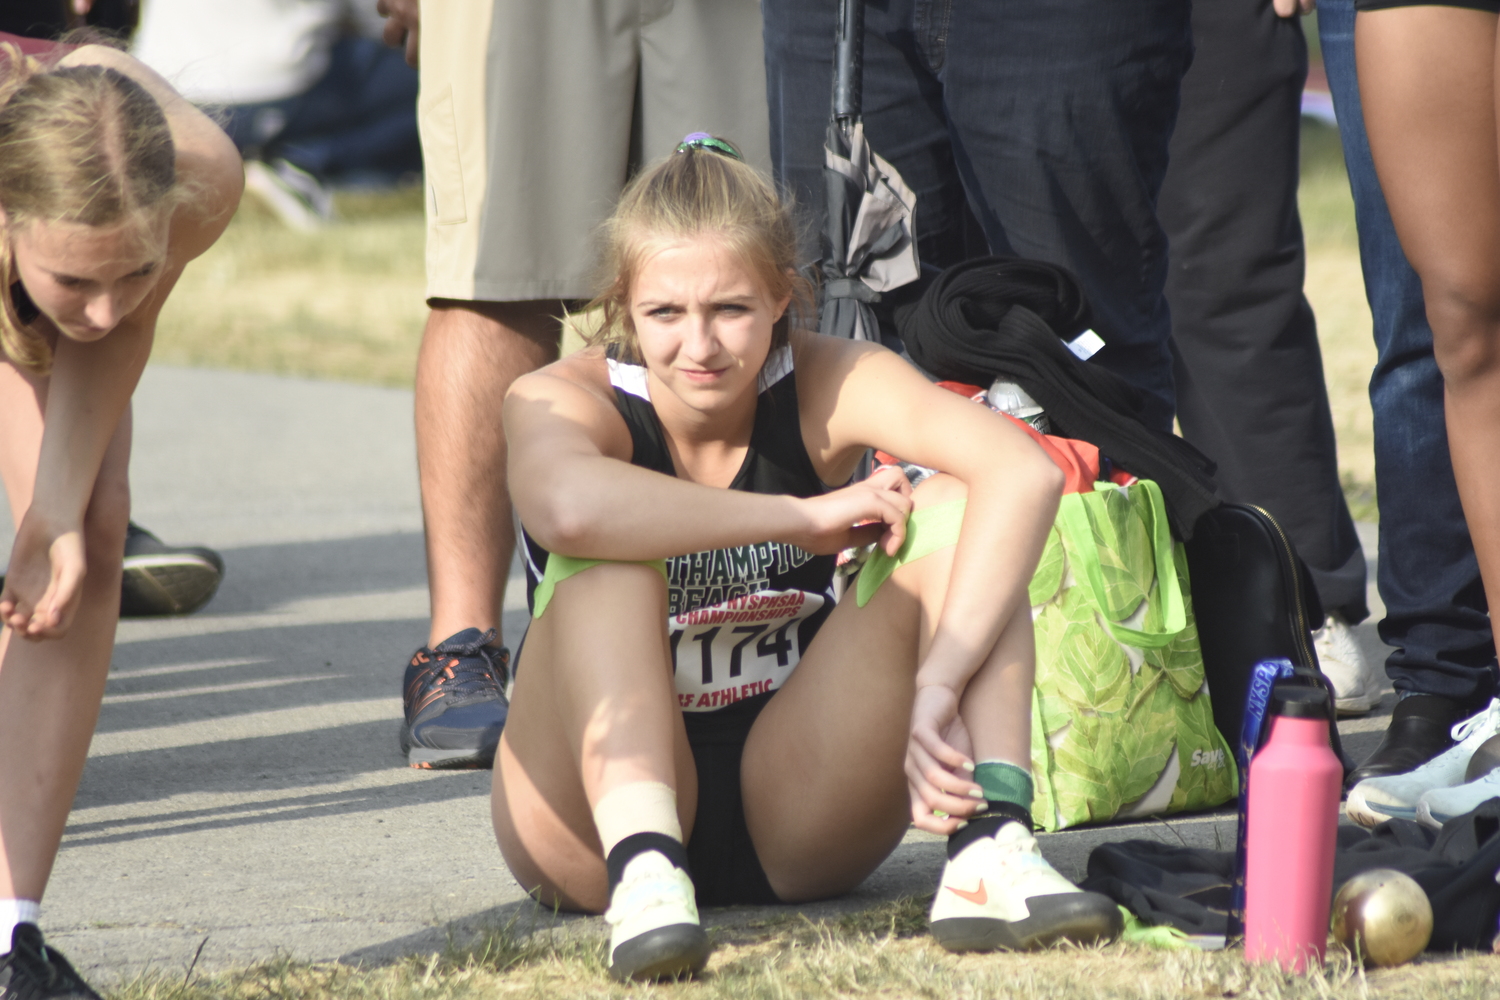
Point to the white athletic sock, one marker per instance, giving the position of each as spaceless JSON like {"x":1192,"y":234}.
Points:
{"x":16,"y":911}
{"x":639,"y":807}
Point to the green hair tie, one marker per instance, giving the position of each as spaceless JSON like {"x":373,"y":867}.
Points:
{"x":702,"y":140}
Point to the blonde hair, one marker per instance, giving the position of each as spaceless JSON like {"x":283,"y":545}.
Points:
{"x":692,"y":193}
{"x":79,"y":144}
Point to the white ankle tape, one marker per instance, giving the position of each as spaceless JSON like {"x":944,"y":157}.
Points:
{"x":639,"y":807}
{"x":16,"y":911}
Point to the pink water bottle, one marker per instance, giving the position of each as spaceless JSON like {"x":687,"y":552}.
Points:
{"x":1293,"y":818}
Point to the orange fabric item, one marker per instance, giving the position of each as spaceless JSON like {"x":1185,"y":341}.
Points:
{"x":964,"y":389}
{"x":1078,"y":460}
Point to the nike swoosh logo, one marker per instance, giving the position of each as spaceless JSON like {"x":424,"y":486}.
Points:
{"x":978,"y":896}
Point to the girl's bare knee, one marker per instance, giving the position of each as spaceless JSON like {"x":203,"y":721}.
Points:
{"x":623,"y":575}
{"x":617,"y":585}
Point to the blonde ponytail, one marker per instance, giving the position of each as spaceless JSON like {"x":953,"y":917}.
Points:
{"x":702,"y":189}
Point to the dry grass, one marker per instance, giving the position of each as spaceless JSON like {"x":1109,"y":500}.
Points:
{"x":883,"y":952}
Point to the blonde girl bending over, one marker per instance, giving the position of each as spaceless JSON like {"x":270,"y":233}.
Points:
{"x":692,"y":713}
{"x":109,"y":184}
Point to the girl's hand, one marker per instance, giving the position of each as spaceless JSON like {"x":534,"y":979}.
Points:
{"x":873,"y":510}
{"x":45,"y":581}
{"x":939,"y":761}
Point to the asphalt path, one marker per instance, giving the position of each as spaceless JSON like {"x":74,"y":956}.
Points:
{"x":245,"y":793}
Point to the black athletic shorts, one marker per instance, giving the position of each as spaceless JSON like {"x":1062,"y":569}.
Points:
{"x":726,"y":869}
{"x":1488,"y":6}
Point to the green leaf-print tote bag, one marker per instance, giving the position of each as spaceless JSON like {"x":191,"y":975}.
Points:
{"x":1121,"y":724}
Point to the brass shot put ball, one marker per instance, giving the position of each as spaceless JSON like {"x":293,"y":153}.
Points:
{"x":1383,"y":916}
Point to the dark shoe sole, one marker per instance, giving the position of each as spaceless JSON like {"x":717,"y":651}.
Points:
{"x":167,"y":585}
{"x":434,"y":759}
{"x":1080,"y":917}
{"x":669,"y":952}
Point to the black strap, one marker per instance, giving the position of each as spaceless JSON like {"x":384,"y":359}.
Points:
{"x":639,"y":843}
{"x":988,"y":824}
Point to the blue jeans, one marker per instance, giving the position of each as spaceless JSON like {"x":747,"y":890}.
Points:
{"x":358,"y":121}
{"x":1428,"y":577}
{"x":1029,"y":127}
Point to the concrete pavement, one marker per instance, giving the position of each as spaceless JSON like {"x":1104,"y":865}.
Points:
{"x":245,"y":786}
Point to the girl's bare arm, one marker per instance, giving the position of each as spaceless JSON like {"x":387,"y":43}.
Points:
{"x":91,"y":383}
{"x":578,"y":495}
{"x":865,"y":396}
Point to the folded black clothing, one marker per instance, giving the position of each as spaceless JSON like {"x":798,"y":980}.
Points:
{"x":1189,"y":888}
{"x":1006,"y":317}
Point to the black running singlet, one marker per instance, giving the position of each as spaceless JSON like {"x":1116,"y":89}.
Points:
{"x":740,"y":618}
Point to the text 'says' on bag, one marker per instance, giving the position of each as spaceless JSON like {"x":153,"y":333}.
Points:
{"x":1121,"y":723}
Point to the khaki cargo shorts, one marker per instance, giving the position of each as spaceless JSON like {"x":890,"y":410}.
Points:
{"x":533,"y":114}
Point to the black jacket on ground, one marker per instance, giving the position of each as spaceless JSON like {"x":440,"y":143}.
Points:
{"x":1189,"y":888}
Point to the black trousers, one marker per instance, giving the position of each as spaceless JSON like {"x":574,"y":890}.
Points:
{"x":1044,"y":124}
{"x":1249,"y":374}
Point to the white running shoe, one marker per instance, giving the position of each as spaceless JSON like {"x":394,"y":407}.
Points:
{"x":293,"y":195}
{"x":653,"y":920}
{"x":1442,"y":804}
{"x":1001,"y":893}
{"x":1395,"y":796}
{"x":1355,"y":684}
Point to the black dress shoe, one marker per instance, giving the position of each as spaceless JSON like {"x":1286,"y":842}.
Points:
{"x":1418,"y":732}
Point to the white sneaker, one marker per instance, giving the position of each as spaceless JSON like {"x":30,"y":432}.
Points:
{"x":1355,"y":684}
{"x":294,"y":196}
{"x":1395,"y":796}
{"x":653,"y":919}
{"x":1442,"y":804}
{"x":1001,"y":893}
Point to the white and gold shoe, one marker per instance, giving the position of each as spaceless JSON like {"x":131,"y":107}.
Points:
{"x":999,"y":892}
{"x":653,"y":920}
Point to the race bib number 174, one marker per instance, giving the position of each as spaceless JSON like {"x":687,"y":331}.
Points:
{"x":743,"y":647}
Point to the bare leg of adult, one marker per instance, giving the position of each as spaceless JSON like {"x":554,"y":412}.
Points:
{"x":50,"y":690}
{"x":1427,"y":80}
{"x":471,"y":353}
{"x":594,"y":709}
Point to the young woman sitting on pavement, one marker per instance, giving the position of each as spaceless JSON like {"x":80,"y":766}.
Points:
{"x":109,"y":184}
{"x":659,"y":740}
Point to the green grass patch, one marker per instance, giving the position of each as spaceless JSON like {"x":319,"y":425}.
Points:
{"x":1323,"y":196}
{"x":347,"y":302}
{"x":1360,"y":495}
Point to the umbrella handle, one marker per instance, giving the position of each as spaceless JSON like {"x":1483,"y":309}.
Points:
{"x":848,"y":63}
